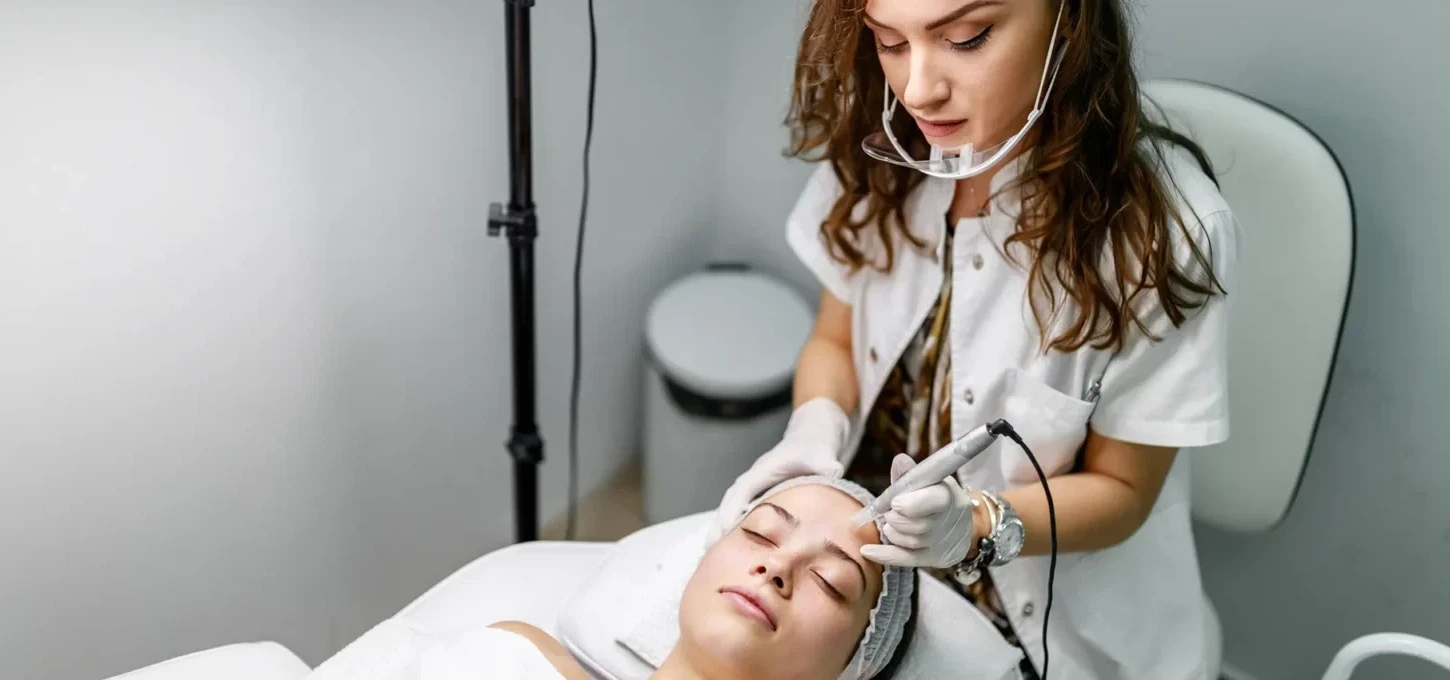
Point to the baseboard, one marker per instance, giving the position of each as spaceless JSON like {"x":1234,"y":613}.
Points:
{"x":1228,"y":671}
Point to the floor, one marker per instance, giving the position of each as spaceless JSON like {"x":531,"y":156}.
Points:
{"x":609,"y":514}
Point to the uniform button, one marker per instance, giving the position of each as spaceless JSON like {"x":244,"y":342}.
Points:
{"x":969,"y":397}
{"x":872,"y":352}
{"x":977,"y":262}
{"x":1027,"y":609}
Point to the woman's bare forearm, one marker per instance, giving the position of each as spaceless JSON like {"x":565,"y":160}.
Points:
{"x":825,"y":368}
{"x":1094,"y":512}
{"x":1100,"y":506}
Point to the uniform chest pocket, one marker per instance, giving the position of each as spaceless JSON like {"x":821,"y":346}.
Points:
{"x":1053,"y":424}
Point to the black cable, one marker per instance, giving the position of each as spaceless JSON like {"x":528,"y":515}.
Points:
{"x":572,"y":527}
{"x":1003,"y":427}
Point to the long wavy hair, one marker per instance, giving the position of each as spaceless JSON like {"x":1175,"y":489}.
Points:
{"x":1089,"y":189}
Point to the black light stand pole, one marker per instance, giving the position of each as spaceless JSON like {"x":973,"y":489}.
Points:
{"x":519,"y":221}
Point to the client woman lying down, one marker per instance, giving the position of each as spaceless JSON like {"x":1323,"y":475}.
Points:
{"x":786,"y":594}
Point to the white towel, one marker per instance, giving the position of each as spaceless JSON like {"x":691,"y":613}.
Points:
{"x":398,"y":649}
{"x":655,"y":632}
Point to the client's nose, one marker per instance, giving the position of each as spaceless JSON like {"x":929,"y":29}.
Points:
{"x":778,"y":576}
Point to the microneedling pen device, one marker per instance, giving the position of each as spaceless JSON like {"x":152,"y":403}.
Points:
{"x":933,"y":469}
{"x":944,"y":463}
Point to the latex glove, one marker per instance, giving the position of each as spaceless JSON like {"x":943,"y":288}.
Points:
{"x":932,"y":527}
{"x":812,"y":445}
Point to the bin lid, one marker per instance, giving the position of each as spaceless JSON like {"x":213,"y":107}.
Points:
{"x":728,"y":334}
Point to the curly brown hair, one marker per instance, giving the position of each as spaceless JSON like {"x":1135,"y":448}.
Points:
{"x":1089,"y":187}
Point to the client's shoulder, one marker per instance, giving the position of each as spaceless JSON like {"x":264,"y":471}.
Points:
{"x":558,"y":656}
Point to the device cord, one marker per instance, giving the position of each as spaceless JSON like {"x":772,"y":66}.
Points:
{"x":1003,"y":427}
{"x":573,"y":522}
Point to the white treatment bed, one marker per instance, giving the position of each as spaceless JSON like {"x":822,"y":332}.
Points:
{"x":576,"y":591}
{"x":582,"y":593}
{"x":468,"y":597}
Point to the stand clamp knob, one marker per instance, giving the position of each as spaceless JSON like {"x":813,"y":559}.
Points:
{"x":526,"y":447}
{"x":521,"y":224}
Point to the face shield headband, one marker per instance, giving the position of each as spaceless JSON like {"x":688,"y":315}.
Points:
{"x":963,"y":161}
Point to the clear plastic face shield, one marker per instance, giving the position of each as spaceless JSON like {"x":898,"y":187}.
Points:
{"x":966,"y":160}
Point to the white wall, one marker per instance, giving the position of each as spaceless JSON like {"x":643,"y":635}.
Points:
{"x":1365,"y":547}
{"x":254,"y":371}
{"x":758,"y":184}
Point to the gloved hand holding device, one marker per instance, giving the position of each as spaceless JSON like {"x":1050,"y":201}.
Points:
{"x":932,"y":527}
{"x":812,"y":445}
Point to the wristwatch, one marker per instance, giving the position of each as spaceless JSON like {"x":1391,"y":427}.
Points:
{"x":999,"y":547}
{"x":1008,"y":534}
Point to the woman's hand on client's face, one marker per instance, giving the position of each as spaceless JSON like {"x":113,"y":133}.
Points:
{"x":811,"y":446}
{"x":933,"y":527}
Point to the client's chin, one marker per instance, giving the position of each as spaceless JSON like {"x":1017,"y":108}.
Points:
{"x":731,"y":637}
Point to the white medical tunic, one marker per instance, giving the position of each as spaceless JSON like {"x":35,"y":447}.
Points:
{"x":1134,"y":610}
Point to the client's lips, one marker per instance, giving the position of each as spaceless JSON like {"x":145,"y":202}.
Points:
{"x":939,"y":128}
{"x":750,"y":605}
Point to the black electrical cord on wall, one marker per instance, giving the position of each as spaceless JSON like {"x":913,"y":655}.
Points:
{"x":572,"y":527}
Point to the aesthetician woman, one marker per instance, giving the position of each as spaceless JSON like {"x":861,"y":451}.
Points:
{"x":1021,"y":243}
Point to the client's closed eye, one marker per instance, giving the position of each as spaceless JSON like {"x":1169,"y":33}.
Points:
{"x":758,"y":536}
{"x":831,"y":590}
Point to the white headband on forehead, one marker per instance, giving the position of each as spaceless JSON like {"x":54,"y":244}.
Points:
{"x":887,"y":622}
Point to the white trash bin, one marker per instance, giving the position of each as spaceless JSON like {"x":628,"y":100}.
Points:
{"x":721,"y":351}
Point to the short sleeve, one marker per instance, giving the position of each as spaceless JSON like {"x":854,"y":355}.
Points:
{"x":1173,"y":391}
{"x":803,"y":233}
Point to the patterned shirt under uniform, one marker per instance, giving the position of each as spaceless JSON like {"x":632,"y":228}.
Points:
{"x":912,"y":415}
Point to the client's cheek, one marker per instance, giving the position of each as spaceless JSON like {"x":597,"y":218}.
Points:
{"x":830,"y":622}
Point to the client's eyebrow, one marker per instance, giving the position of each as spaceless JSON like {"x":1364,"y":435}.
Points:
{"x":938,"y":23}
{"x":784,"y":514}
{"x":831,"y":547}
{"x":838,"y":551}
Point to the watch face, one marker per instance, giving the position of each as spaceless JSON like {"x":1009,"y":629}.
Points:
{"x":1009,"y":543}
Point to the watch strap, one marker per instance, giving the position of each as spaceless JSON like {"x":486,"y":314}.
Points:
{"x":1004,"y":514}
{"x":969,"y":570}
